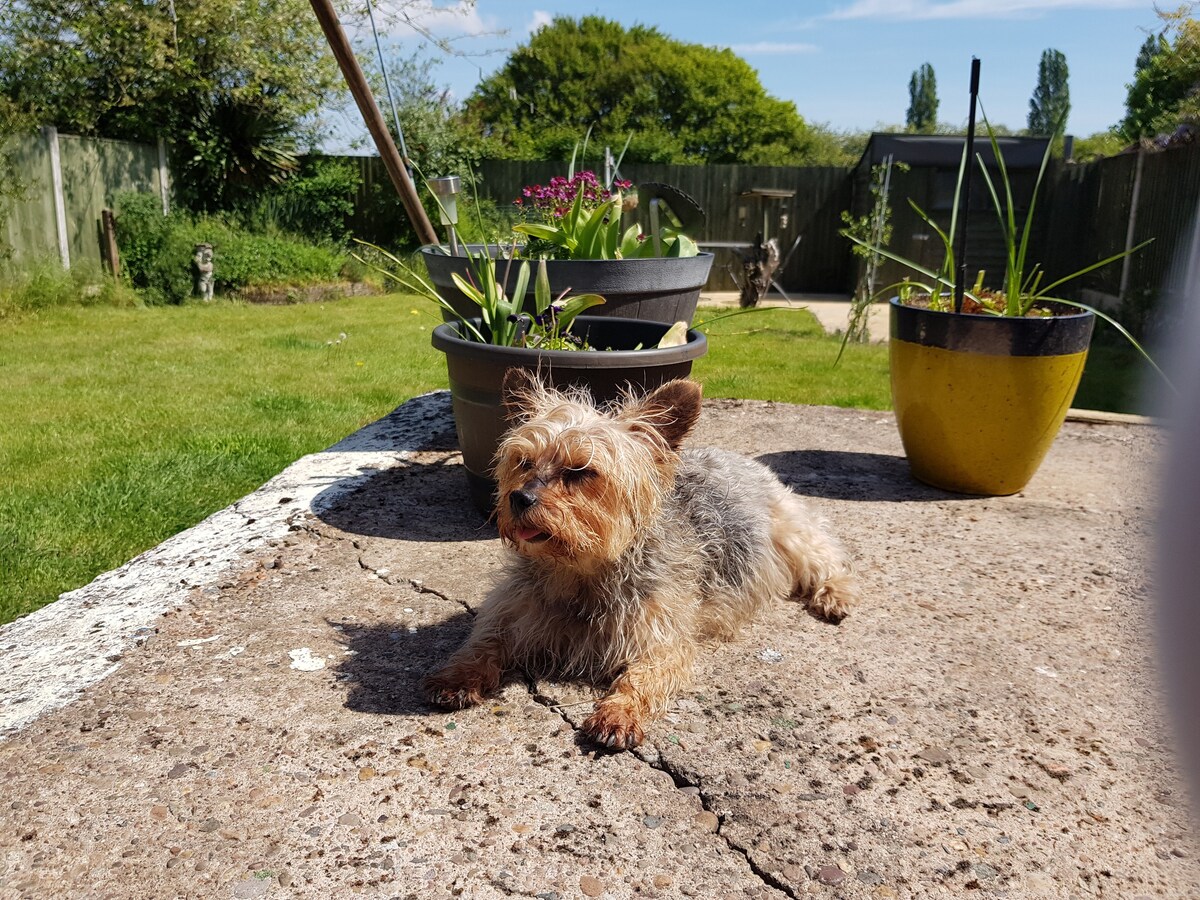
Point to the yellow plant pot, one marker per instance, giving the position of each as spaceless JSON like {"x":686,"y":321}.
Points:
{"x":980,"y":399}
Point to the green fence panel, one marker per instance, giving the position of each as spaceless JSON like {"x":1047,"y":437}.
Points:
{"x":94,"y":172}
{"x":29,"y":230}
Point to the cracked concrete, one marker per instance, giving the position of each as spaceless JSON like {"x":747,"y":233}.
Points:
{"x":988,"y":722}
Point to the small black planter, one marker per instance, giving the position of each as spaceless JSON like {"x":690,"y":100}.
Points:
{"x":477,"y":371}
{"x":657,"y":290}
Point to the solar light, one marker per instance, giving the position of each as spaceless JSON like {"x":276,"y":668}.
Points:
{"x":447,"y":189}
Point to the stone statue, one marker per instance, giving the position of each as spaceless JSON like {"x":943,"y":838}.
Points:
{"x":202,"y":272}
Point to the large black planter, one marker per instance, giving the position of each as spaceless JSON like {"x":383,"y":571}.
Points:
{"x":657,"y":290}
{"x":477,"y":371}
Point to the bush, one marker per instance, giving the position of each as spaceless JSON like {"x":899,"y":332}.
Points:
{"x":157,"y":252}
{"x":316,"y":203}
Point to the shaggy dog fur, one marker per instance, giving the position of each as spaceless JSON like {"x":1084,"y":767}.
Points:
{"x":629,"y":553}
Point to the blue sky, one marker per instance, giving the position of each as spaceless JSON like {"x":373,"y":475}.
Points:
{"x":844,"y":63}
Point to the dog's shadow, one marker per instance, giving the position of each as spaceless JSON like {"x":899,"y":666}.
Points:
{"x":386,"y":663}
{"x":384,"y":669}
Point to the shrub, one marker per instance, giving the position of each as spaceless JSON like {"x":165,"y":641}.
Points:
{"x":157,"y":252}
{"x":318,"y":202}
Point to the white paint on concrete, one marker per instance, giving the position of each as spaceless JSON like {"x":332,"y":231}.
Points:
{"x":49,"y":656}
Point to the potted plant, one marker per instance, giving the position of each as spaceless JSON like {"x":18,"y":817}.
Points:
{"x":575,"y":226}
{"x":605,"y":355}
{"x":981,"y":385}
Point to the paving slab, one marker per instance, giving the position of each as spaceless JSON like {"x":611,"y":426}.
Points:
{"x":988,"y":721}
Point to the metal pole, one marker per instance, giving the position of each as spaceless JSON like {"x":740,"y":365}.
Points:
{"x":387,"y":83}
{"x":373,"y":119}
{"x":965,"y":210}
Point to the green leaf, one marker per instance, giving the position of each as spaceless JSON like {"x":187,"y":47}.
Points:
{"x":630,"y":243}
{"x":541,"y":289}
{"x":574,"y":306}
{"x":590,"y":235}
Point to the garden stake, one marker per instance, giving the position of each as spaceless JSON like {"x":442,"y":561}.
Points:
{"x":961,"y":280}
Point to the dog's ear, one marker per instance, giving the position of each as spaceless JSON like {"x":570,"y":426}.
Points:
{"x":522,"y":393}
{"x":671,"y":410}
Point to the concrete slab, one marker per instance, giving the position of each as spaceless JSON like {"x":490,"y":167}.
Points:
{"x":988,"y":721}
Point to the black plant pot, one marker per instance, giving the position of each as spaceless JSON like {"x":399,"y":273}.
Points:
{"x":477,"y":371}
{"x":657,"y":290}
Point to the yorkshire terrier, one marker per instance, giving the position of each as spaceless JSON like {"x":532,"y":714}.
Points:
{"x":630,"y":553}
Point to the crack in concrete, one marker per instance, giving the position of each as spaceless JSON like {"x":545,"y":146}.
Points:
{"x":659,"y":763}
{"x":678,"y":777}
{"x":681,"y":781}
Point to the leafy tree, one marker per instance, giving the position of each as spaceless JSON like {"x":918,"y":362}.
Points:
{"x":437,"y":139}
{"x":1151,"y":47}
{"x":1051,"y":100}
{"x":1166,"y":86}
{"x":682,"y":103}
{"x":12,"y":182}
{"x":1098,"y":145}
{"x":231,"y":83}
{"x":922,"y":100}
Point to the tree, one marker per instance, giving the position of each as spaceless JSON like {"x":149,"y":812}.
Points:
{"x":232,"y":84}
{"x":12,"y":181}
{"x":682,"y":103}
{"x":922,"y":100}
{"x":1153,"y":45}
{"x":1051,"y":100}
{"x":1165,"y":92}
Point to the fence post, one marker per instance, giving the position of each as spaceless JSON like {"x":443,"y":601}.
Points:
{"x":60,"y":207}
{"x":163,"y":187}
{"x":1129,"y":231}
{"x":110,"y":243}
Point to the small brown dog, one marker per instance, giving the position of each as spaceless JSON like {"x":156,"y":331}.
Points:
{"x":630,"y":553}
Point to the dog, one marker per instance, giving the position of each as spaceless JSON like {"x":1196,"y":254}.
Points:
{"x":630,"y":554}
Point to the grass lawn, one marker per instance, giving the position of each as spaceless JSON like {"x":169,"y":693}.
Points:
{"x":122,"y":427}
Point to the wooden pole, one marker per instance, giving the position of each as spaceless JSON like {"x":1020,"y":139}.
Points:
{"x":110,"y":243}
{"x":373,"y":118}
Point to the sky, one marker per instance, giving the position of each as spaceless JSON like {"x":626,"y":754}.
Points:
{"x":845,"y":64}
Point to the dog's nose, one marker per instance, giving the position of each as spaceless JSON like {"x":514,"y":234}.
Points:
{"x":521,"y":500}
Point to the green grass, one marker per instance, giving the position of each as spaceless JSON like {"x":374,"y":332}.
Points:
{"x":783,"y":354}
{"x":120,"y":427}
{"x":1116,"y":377}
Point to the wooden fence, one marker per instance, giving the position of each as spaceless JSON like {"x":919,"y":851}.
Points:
{"x":821,"y":262}
{"x":1102,"y":208}
{"x":70,"y":181}
{"x":1085,"y":213}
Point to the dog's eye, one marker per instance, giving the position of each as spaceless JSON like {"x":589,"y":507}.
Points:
{"x":577,"y":476}
{"x":524,"y":464}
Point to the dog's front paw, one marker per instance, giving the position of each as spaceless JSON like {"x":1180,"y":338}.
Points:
{"x":613,"y":725}
{"x":457,"y":687}
{"x":834,"y":598}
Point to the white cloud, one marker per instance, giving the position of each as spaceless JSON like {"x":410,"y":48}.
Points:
{"x":540,"y":19}
{"x":772,"y":47}
{"x":428,"y":17}
{"x":968,"y":9}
